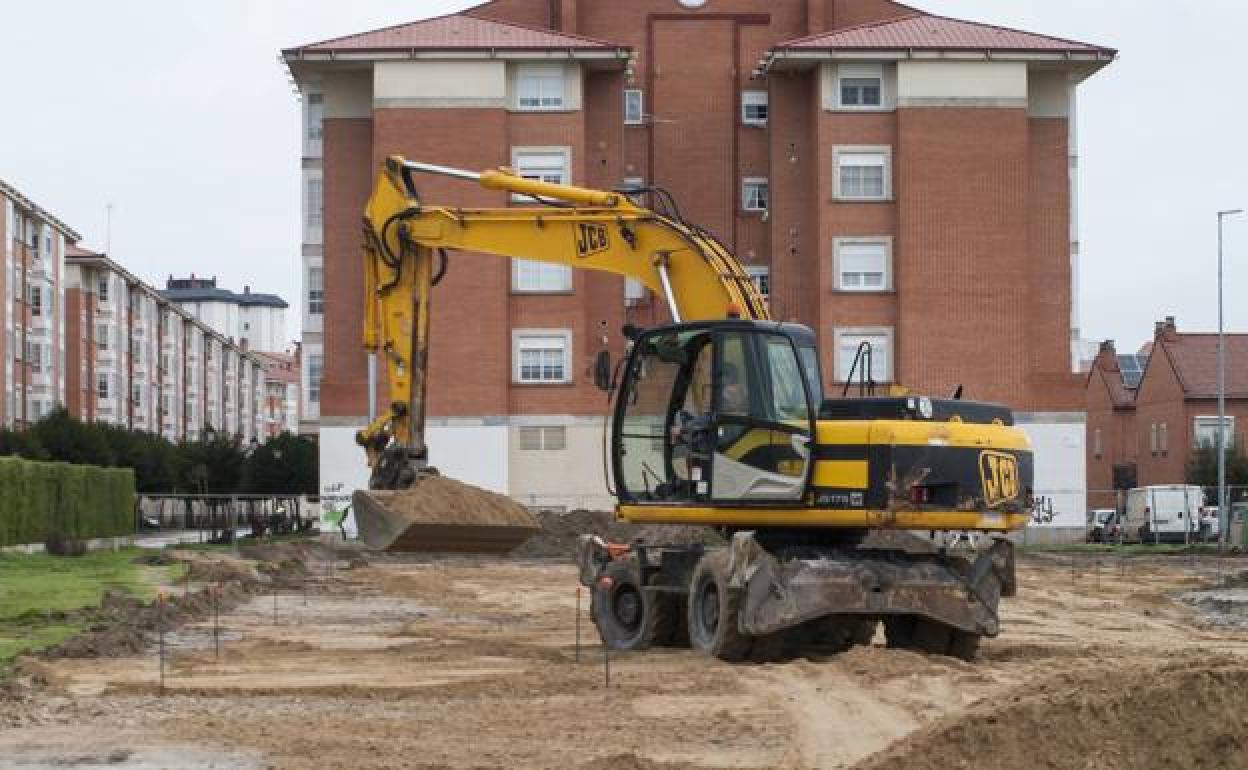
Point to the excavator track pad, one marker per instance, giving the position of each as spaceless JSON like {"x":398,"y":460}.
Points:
{"x":441,"y":515}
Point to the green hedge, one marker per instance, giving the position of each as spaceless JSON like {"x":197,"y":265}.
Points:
{"x":44,"y":501}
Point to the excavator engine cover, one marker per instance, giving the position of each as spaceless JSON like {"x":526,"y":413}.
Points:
{"x":437,"y":514}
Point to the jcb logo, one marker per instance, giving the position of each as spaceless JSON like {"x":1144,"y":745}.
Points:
{"x":999,"y":472}
{"x":590,"y":239}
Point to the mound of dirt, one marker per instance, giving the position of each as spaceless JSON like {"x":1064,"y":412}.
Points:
{"x":559,"y":532}
{"x":1176,"y":717}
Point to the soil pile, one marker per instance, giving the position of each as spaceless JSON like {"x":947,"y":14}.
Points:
{"x":559,"y":532}
{"x":1176,"y":717}
{"x":440,"y":514}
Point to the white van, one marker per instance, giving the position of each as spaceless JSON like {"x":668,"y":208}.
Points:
{"x":1164,"y":513}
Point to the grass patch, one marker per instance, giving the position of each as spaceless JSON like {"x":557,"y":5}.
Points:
{"x":39,"y":593}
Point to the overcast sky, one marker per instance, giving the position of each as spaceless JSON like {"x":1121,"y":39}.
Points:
{"x":180,"y":115}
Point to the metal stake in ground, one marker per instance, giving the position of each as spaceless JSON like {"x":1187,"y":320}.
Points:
{"x":160,"y":625}
{"x":275,"y":604}
{"x":216,"y":620}
{"x":578,"y":624}
{"x":606,"y":663}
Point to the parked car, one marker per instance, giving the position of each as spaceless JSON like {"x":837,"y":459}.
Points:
{"x":1104,"y":525}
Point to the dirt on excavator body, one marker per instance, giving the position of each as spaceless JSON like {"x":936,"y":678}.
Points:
{"x":437,"y":514}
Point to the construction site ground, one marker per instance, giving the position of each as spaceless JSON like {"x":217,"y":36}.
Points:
{"x":361,"y":661}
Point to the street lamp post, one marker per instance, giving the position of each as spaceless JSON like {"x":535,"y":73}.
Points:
{"x":1224,"y":519}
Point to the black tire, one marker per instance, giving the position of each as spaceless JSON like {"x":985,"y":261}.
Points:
{"x":923,"y":635}
{"x":628,"y":616}
{"x":712,"y":612}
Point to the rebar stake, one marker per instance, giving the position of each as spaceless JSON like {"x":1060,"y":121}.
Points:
{"x":578,"y":624}
{"x":160,"y":624}
{"x":216,"y":620}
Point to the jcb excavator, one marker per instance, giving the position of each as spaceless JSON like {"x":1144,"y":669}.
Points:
{"x":719,"y":419}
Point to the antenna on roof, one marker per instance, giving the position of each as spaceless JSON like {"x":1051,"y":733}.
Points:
{"x":108,"y":228}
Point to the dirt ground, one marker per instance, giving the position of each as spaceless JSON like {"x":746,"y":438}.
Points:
{"x":465,"y":663}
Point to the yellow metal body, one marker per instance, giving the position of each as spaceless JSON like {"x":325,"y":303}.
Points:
{"x":606,"y":231}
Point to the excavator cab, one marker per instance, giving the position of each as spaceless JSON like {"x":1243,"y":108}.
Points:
{"x":717,"y":412}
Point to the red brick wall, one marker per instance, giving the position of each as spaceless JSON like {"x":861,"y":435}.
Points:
{"x":1160,"y":401}
{"x":348,"y":175}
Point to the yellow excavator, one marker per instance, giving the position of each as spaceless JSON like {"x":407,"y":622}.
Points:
{"x":718,"y":419}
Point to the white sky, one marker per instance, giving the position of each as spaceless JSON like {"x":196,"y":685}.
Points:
{"x":180,"y":115}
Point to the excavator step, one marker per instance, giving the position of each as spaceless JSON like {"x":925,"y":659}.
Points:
{"x":441,"y":515}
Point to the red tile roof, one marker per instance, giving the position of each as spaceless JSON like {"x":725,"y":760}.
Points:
{"x":931,"y":32}
{"x":279,"y":366}
{"x":74,"y":250}
{"x":457,"y":32}
{"x":1195,"y":359}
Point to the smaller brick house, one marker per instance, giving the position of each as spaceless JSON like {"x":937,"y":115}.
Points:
{"x":1145,"y":418}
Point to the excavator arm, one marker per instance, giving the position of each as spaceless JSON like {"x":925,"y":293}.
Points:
{"x":585,"y":229}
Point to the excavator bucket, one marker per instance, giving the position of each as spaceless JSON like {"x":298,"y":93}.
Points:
{"x":437,"y":514}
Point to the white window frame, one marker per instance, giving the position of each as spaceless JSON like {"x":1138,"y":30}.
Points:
{"x":760,"y":276}
{"x":316,"y":371}
{"x":316,"y":290}
{"x":748,"y":200}
{"x":314,"y":193}
{"x":838,"y":275}
{"x":859,"y":72}
{"x":36,"y":301}
{"x":530,"y":276}
{"x":542,"y":438}
{"x":520,"y":154}
{"x":634,"y":107}
{"x":845,"y":152}
{"x":103,"y":386}
{"x":1202,"y":424}
{"x":884,"y":375}
{"x":754,"y":98}
{"x":518,"y":339}
{"x":549,"y":82}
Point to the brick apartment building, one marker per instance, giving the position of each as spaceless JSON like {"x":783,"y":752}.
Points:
{"x":147,"y":364}
{"x":281,"y":392}
{"x":886,"y":175}
{"x":1145,"y":418}
{"x":32,"y":244}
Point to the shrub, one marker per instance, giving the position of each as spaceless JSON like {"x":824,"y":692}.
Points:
{"x":60,"y":504}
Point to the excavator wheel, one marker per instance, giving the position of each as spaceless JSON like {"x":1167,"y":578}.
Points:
{"x":917,"y":633}
{"x":628,"y":616}
{"x":712,"y":616}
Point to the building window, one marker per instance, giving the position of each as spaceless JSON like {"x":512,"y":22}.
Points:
{"x":315,"y":362}
{"x":862,"y":264}
{"x":102,"y":289}
{"x":863,"y":174}
{"x":543,"y":438}
{"x":634,"y":107}
{"x":760,"y":276}
{"x":102,"y":336}
{"x":1205,"y":432}
{"x":754,"y":194}
{"x":1096,"y":444}
{"x":101,"y":387}
{"x":1163,"y":440}
{"x":316,"y":291}
{"x":541,"y":165}
{"x":315,"y":202}
{"x":36,"y":301}
{"x":542,"y":357}
{"x":848,"y":342}
{"x":316,"y":109}
{"x":540,"y":86}
{"x":531,"y":276}
{"x":754,"y":108}
{"x":137,"y":396}
{"x":860,"y":85}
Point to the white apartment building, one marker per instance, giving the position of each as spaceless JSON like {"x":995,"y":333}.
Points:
{"x":32,"y":348}
{"x":257,"y":321}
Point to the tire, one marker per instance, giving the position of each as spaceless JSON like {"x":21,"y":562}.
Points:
{"x":628,"y":616}
{"x":928,"y":636}
{"x":712,"y":611}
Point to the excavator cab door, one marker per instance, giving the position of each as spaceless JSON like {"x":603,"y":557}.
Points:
{"x":718,"y":412}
